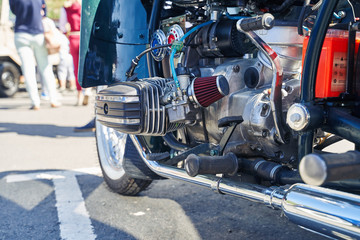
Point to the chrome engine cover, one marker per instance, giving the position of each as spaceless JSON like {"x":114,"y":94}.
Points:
{"x":134,"y":107}
{"x":255,"y":136}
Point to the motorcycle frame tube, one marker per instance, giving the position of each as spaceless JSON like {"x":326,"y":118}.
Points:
{"x":153,"y":25}
{"x":315,"y":208}
{"x":343,"y":124}
{"x":309,"y":73}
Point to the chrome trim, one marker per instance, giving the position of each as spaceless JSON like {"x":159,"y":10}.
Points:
{"x":313,"y":169}
{"x":272,"y":173}
{"x":160,"y":36}
{"x":218,"y":85}
{"x":332,"y":213}
{"x":257,"y":165}
{"x":117,"y":120}
{"x":304,"y":114}
{"x":191,"y":93}
{"x":117,"y":99}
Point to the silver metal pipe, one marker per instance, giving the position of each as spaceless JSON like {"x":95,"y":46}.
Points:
{"x":332,"y":213}
{"x":252,"y":192}
{"x":276,"y":85}
{"x":329,"y":212}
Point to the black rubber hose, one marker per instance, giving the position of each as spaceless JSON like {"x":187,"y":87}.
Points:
{"x":285,"y":5}
{"x":136,"y":60}
{"x":170,"y":139}
{"x":302,"y":17}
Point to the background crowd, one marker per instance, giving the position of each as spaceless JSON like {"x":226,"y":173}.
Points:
{"x":37,"y":37}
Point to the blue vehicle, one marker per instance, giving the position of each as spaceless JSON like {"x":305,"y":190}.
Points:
{"x":241,"y":97}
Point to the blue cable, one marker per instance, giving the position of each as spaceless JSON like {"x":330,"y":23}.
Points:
{"x":306,"y":28}
{"x":173,"y":51}
{"x":336,"y":16}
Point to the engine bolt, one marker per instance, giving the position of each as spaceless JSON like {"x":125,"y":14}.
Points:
{"x":264,"y":133}
{"x":288,"y":88}
{"x":341,"y":14}
{"x":236,"y":68}
{"x":265,"y":107}
{"x":296,"y":117}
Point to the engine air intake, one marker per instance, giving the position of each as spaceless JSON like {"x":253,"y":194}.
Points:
{"x":206,"y":90}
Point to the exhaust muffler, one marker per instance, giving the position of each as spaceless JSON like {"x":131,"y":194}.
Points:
{"x":332,"y":213}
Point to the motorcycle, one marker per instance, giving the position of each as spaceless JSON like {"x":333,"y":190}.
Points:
{"x":241,"y":97}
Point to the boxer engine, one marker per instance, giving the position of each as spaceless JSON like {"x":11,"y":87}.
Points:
{"x":221,"y":75}
{"x":222,"y":108}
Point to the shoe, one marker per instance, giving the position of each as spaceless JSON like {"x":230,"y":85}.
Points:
{"x":44,"y":96}
{"x":55,"y":105}
{"x":80,"y":101}
{"x":35,"y":108}
{"x":86,"y":100}
{"x":89,"y":127}
{"x":62,"y":89}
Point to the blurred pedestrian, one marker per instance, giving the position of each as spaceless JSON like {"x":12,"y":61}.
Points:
{"x":30,"y":44}
{"x":60,"y":45}
{"x":73,"y":16}
{"x":65,"y":69}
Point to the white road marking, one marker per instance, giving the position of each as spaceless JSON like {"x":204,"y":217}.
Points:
{"x":73,"y":217}
{"x":52,"y":174}
{"x":138,"y":214}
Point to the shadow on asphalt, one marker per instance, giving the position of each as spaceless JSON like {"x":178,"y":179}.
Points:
{"x":41,"y":221}
{"x":214,"y":216}
{"x":44,"y":130}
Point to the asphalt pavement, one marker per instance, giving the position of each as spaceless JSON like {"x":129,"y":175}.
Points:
{"x":51,"y":188}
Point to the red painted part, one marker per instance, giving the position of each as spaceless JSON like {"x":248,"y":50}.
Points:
{"x":171,"y":38}
{"x":206,"y":90}
{"x":332,"y":70}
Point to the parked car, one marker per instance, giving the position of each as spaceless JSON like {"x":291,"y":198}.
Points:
{"x":10,"y":63}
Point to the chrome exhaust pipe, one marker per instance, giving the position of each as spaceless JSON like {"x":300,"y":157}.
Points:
{"x":328,"y":212}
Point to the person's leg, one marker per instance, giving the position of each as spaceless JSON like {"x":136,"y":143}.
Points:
{"x":23,"y":46}
{"x":70,"y":71}
{"x":62,"y":74}
{"x":74,"y":51}
{"x":45,"y":68}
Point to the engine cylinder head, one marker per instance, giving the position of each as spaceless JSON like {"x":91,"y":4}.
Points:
{"x":206,"y":90}
{"x":135,"y":107}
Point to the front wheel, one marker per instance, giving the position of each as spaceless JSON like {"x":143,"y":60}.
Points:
{"x":111,"y":146}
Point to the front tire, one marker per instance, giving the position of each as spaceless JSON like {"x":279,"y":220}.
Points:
{"x":111,"y":146}
{"x":9,"y":79}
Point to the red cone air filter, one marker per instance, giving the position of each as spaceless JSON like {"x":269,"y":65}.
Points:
{"x":207,"y":90}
